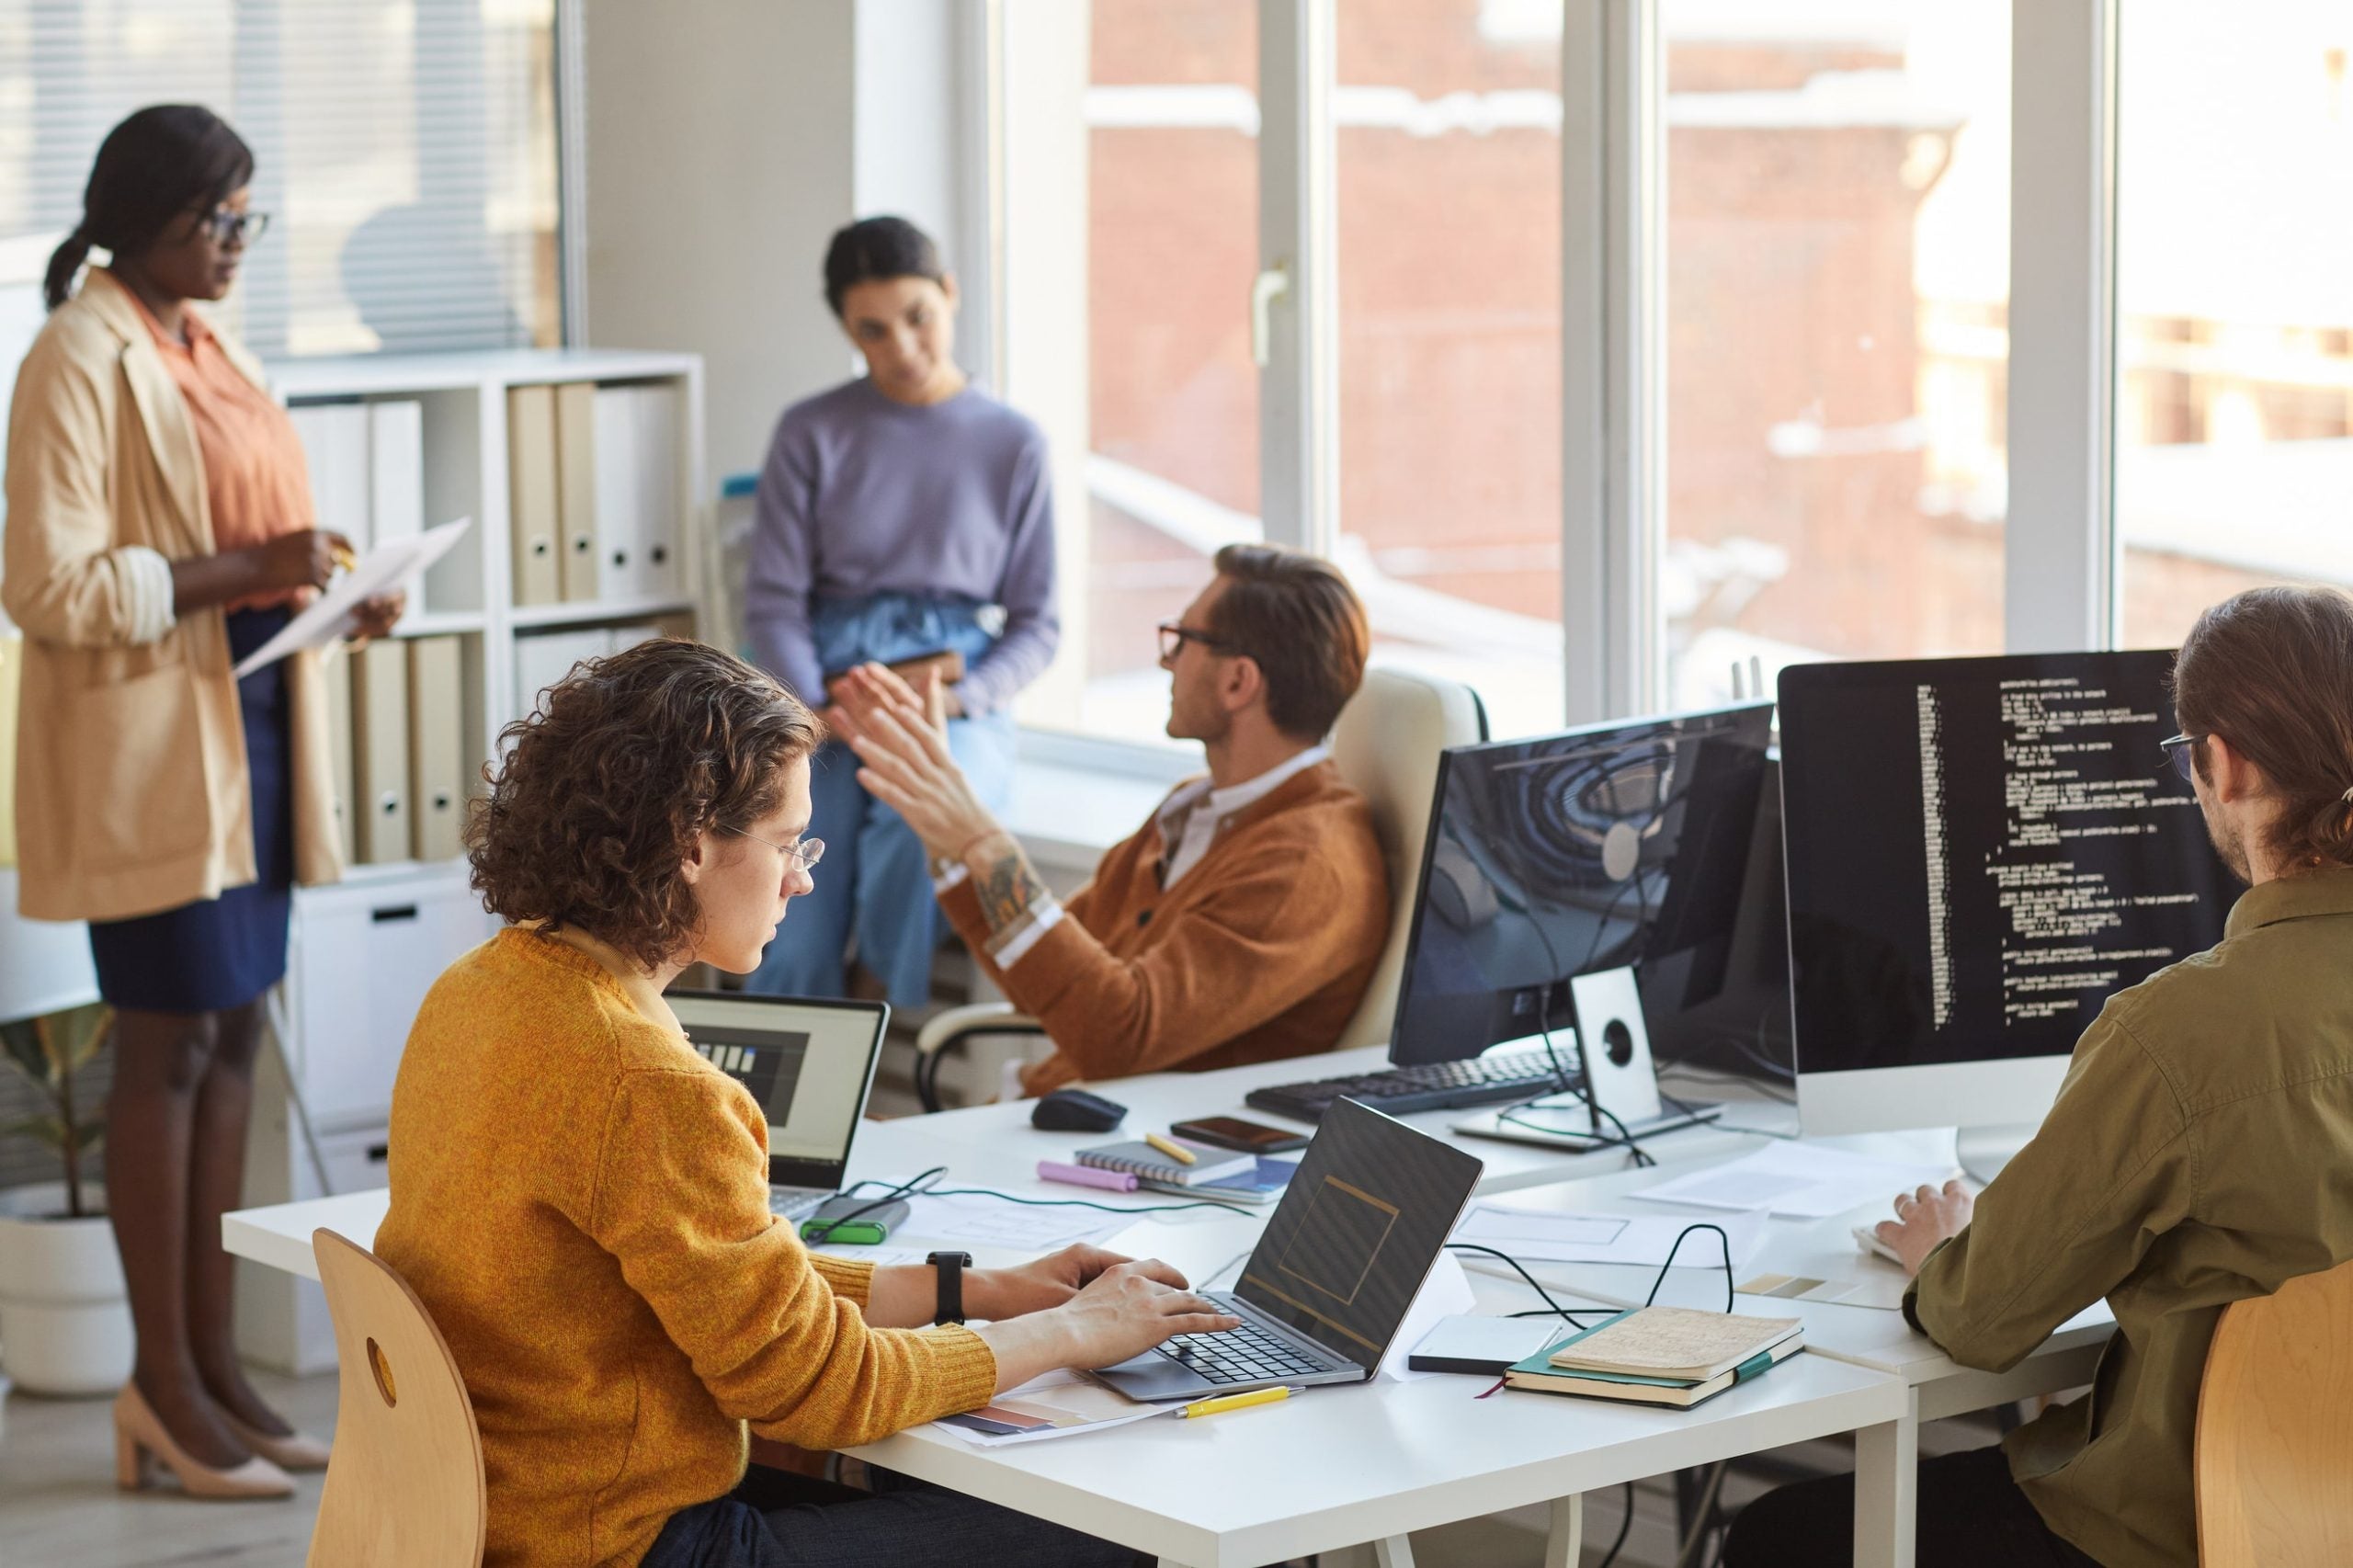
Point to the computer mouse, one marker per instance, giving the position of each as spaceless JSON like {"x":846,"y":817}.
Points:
{"x":1075,"y":1110}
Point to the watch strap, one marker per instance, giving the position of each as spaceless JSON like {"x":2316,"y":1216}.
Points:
{"x":951,"y":1266}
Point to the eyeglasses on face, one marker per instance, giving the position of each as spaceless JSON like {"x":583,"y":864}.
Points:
{"x":807,"y":852}
{"x":2181,"y":751}
{"x":1174,"y":635}
{"x":230,"y":227}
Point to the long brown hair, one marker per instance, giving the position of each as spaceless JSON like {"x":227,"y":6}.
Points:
{"x":2271,"y":672}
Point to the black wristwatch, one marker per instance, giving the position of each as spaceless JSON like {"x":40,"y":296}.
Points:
{"x":951,"y":1266}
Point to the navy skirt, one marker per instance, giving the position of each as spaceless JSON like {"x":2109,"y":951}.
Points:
{"x":222,"y":952}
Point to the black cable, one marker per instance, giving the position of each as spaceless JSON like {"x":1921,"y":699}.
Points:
{"x":827,"y":1227}
{"x":1624,"y":1526}
{"x":1688,"y":1229}
{"x":911,"y":1187}
{"x":1553,"y":1308}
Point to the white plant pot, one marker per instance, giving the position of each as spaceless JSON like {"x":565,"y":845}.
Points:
{"x":64,"y":1321}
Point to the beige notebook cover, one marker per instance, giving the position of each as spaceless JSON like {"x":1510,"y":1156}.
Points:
{"x":1675,"y":1342}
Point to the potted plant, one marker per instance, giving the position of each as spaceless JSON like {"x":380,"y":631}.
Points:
{"x":64,"y":1322}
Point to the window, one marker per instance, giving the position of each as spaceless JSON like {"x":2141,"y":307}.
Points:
{"x":2235,"y":305}
{"x":406,"y":151}
{"x":1447,"y":120}
{"x":1172,"y":250}
{"x":1837,"y":249}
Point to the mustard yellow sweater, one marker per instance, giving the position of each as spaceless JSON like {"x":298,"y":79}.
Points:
{"x":582,"y":1203}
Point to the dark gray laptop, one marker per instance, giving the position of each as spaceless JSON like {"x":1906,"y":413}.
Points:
{"x":810,"y":1063}
{"x":1341,"y":1261}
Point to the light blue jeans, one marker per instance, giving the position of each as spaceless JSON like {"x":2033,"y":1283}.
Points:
{"x":874,"y":883}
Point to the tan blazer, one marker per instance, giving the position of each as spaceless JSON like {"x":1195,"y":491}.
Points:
{"x":131,"y":791}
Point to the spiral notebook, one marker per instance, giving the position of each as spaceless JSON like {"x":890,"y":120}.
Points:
{"x":1139,"y":1158}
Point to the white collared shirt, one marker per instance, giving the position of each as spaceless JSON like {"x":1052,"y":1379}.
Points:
{"x":1194,"y":815}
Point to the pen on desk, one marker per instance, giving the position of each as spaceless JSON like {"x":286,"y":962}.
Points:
{"x":1236,"y":1400}
{"x":1086,"y":1175}
{"x":1173,"y":1149}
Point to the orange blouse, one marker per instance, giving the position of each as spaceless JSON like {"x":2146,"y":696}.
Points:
{"x":255,"y":480}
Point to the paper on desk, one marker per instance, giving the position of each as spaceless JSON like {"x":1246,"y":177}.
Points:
{"x":1799,"y":1181}
{"x":994,"y":1222}
{"x":1551,"y":1235}
{"x":381,"y":571}
{"x":1444,"y":1294}
{"x":1059,"y":1405}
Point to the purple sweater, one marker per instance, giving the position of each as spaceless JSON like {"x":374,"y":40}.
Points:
{"x":863,"y":496}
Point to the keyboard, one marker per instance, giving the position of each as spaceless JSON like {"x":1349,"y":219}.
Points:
{"x":1245,"y":1355}
{"x":1398,"y":1091}
{"x":794,"y":1203}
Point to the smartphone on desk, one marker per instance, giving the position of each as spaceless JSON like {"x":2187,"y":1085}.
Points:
{"x":1233,"y":1132}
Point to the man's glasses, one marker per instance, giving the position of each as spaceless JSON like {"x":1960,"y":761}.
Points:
{"x":2181,"y":751}
{"x":230,"y":227}
{"x":808,"y":852}
{"x":1174,"y":635}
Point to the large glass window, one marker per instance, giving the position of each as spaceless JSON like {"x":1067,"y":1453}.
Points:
{"x":2235,"y":305}
{"x":1172,"y":236}
{"x":1837,"y":236}
{"x":1447,"y":149}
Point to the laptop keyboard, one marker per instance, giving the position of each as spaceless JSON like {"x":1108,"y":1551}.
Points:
{"x":792,"y":1203}
{"x":1245,"y":1355}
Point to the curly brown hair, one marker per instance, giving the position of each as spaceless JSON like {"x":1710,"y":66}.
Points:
{"x":606,"y":788}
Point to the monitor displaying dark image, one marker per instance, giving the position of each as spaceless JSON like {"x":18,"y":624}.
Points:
{"x":1628,"y":844}
{"x":1982,"y":851}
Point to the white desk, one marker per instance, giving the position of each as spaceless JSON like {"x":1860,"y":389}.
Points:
{"x":1410,"y":1470}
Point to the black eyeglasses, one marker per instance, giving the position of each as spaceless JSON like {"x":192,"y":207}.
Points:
{"x":229,"y":227}
{"x":2180,"y":751}
{"x":1174,"y":635}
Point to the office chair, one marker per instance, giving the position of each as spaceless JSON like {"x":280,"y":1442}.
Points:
{"x":2274,"y":1430}
{"x":1386,"y":744}
{"x":404,"y":1484}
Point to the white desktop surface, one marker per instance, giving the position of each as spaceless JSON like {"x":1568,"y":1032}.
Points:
{"x":1394,"y":1458}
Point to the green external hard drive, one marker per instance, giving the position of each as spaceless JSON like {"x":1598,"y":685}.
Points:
{"x":872,"y":1227}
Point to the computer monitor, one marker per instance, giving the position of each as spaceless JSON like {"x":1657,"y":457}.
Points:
{"x":1979,"y":853}
{"x":1628,"y":844}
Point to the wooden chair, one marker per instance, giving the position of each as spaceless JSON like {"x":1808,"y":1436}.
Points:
{"x":2274,"y":1430}
{"x":404,"y":1488}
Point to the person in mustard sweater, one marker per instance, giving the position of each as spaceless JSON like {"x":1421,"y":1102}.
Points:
{"x":581,"y":1201}
{"x":1245,"y":920}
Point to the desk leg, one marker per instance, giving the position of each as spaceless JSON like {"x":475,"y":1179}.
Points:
{"x":1887,"y":1484}
{"x":1566,"y":1538}
{"x":1394,"y":1551}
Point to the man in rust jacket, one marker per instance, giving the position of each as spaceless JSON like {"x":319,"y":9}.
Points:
{"x":1242,"y":922}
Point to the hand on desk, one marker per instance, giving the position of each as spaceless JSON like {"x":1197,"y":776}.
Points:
{"x":1123,"y":1308}
{"x":1924,"y":1220}
{"x":1051,"y":1281}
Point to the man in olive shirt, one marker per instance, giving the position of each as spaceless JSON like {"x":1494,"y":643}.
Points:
{"x":2200,"y":1150}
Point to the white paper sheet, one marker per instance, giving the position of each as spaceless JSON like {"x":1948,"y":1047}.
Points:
{"x":1059,"y":1404}
{"x":1444,"y":1294}
{"x":1552,"y":1236}
{"x":1799,"y":1181}
{"x":1016,"y":1227}
{"x":380,"y":571}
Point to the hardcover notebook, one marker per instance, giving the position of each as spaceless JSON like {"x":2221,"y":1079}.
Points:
{"x":1140,"y":1159}
{"x":1771,"y":1340}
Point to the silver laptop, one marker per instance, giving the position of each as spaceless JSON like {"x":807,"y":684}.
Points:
{"x":1341,"y":1261}
{"x":810,"y":1063}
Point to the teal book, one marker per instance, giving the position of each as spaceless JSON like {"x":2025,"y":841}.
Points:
{"x":1778,"y":1340}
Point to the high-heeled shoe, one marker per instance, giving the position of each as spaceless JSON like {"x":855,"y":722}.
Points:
{"x":141,"y":1442}
{"x":296,"y":1450}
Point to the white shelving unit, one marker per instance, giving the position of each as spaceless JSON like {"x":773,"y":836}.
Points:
{"x":366,"y":951}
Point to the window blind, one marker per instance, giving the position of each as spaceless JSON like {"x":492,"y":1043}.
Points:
{"x":406,"y":150}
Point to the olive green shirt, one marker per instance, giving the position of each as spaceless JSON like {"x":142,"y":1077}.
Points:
{"x":2200,"y":1152}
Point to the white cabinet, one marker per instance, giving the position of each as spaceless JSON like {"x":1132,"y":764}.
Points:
{"x":363,"y":958}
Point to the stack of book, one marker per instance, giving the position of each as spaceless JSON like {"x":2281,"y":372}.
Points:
{"x":1147,"y":1164}
{"x":1672,"y":1356}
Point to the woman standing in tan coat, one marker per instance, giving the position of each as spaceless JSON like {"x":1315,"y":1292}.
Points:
{"x":159,"y":529}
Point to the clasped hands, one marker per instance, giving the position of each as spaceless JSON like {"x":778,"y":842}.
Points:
{"x":900,"y":736}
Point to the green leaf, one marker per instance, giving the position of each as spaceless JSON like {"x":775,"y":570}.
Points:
{"x":49,"y":1130}
{"x":27,"y":1054}
{"x":93,"y":1134}
{"x":78,"y":1034}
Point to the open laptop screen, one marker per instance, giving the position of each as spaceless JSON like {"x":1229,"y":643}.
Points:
{"x":808,"y":1062}
{"x":1358,"y":1229}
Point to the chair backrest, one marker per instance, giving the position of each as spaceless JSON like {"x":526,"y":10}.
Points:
{"x":1386,"y":744}
{"x":404,"y":1487}
{"x":2274,"y":1430}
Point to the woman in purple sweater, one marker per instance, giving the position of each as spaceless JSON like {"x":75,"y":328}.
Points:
{"x":902,"y":514}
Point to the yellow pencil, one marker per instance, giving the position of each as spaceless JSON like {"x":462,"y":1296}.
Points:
{"x":1234,"y":1401}
{"x":345,"y":560}
{"x":1170,"y":1147}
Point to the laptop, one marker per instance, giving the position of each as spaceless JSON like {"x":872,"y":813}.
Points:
{"x":1330,"y":1280}
{"x":809,"y":1063}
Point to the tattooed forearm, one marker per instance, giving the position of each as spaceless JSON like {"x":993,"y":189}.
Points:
{"x":1007,"y":888}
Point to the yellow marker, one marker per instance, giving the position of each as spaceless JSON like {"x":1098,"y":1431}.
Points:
{"x":1233,"y":1402}
{"x":1170,"y":1147}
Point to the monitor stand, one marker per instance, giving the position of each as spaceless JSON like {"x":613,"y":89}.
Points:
{"x":1531,"y":1124}
{"x":1983,"y":1151}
